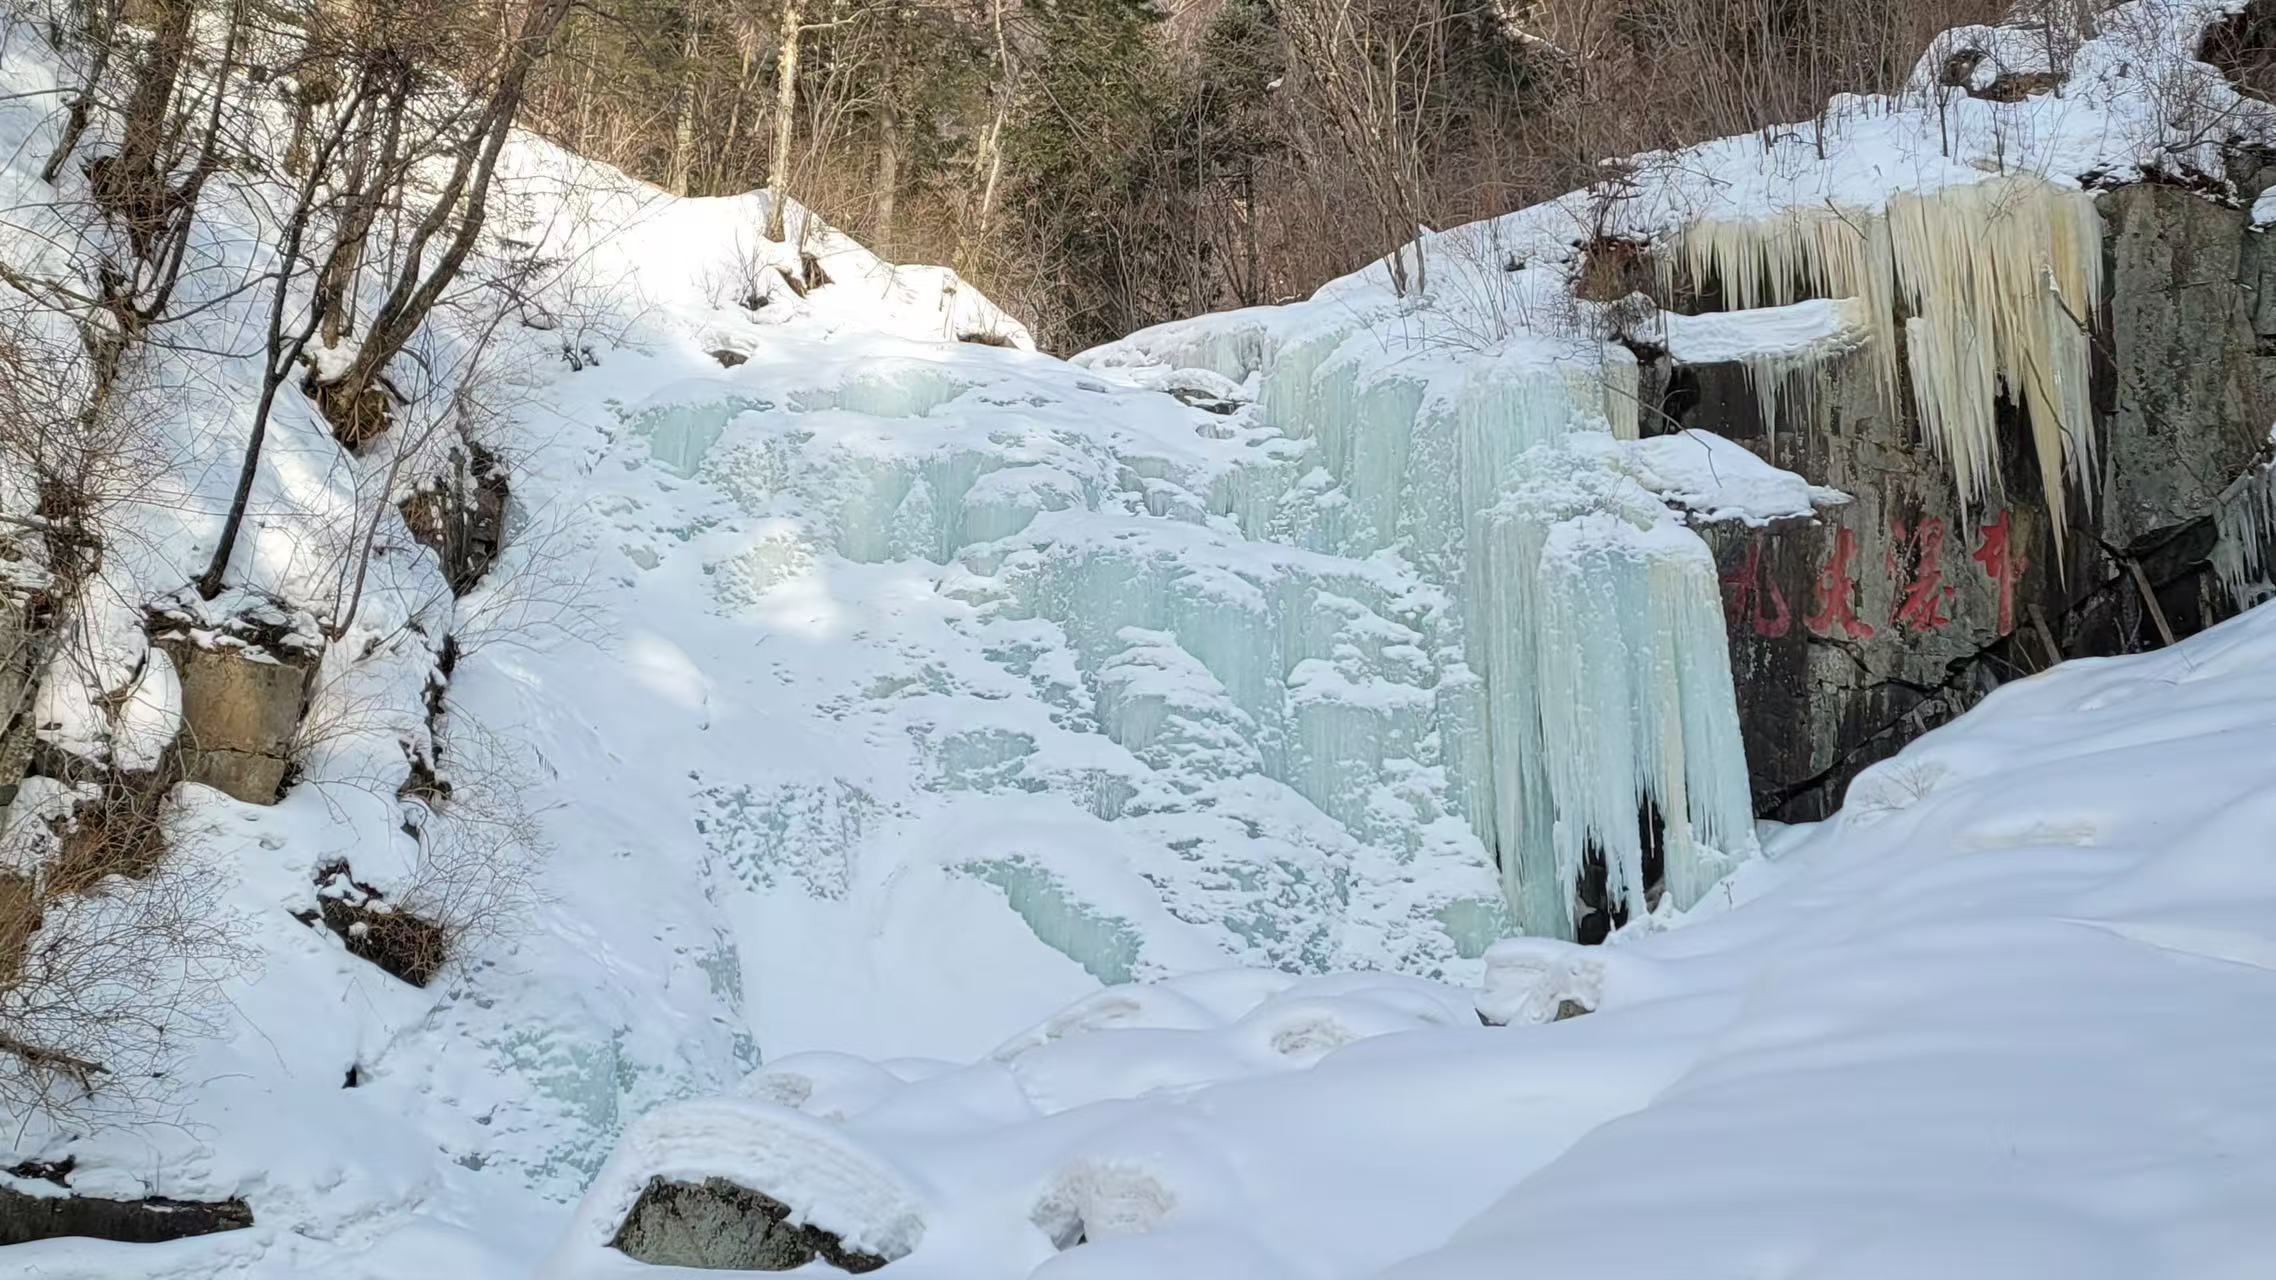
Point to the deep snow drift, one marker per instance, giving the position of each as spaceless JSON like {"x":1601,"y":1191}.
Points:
{"x":880,"y":694}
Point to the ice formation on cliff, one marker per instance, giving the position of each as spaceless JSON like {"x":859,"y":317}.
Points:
{"x":1994,"y":283}
{"x":1578,"y":687}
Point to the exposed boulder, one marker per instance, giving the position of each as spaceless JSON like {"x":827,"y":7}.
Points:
{"x":24,"y":617}
{"x":401,"y":942}
{"x":246,"y":668}
{"x":739,"y":1183}
{"x":2189,"y":406}
{"x":25,"y":1217}
{"x":719,"y":1226}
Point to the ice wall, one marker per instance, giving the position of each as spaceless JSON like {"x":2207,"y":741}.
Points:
{"x":1577,"y":686}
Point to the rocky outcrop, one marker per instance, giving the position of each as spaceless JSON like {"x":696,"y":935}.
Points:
{"x":1854,"y":633}
{"x":23,"y":623}
{"x":719,"y":1225}
{"x":461,"y":515}
{"x":25,"y":1217}
{"x":373,"y":929}
{"x":246,"y":671}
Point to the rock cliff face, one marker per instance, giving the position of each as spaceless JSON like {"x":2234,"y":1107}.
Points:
{"x":1854,"y":633}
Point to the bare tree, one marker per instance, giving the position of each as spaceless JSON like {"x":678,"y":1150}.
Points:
{"x":111,"y":948}
{"x":787,"y":35}
{"x":459,"y":209}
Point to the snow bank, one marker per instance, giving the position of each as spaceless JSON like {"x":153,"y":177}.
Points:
{"x":877,"y":693}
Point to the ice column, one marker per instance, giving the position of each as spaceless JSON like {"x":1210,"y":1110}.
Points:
{"x":1596,"y":620}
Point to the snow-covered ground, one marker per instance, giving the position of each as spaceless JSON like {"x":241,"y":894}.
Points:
{"x":1999,"y":1018}
{"x":880,"y":695}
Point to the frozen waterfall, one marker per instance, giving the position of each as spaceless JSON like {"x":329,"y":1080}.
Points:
{"x":1580,"y":703}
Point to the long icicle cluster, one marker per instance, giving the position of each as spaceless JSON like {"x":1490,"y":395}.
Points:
{"x":2245,"y":520}
{"x":1993,"y":284}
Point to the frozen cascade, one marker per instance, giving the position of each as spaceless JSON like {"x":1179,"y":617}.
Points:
{"x":1580,"y":674}
{"x":1599,"y":629}
{"x":1317,"y":718}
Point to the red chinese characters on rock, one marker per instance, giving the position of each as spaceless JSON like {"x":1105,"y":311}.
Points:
{"x":1913,"y":560}
{"x":1752,"y":596}
{"x":1834,"y":617}
{"x":2004,"y":565}
{"x":1921,"y":606}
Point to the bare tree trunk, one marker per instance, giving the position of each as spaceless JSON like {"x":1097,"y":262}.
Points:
{"x":417,"y":287}
{"x":1252,"y":287}
{"x":785,"y":116}
{"x":100,"y":30}
{"x":888,"y":174}
{"x":174,"y":248}
{"x":678,"y":176}
{"x":988,"y":164}
{"x":133,"y":182}
{"x":335,"y":295}
{"x":282,"y":350}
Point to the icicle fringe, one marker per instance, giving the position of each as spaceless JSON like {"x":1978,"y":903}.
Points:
{"x":2245,"y":547}
{"x":1994,"y":284}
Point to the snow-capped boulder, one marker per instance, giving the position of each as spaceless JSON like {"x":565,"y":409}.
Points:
{"x":246,"y":667}
{"x":720,"y":1225}
{"x":736,"y":1183}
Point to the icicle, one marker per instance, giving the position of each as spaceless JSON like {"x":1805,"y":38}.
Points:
{"x":1784,"y":378}
{"x":1598,"y":627}
{"x":1997,"y":281}
{"x":2245,"y":521}
{"x":1620,"y":383}
{"x":2000,"y":276}
{"x":1594,"y":675}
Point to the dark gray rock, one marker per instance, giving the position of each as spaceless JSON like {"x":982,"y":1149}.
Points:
{"x":462,"y":515}
{"x":719,"y":1225}
{"x":25,"y":1217}
{"x":23,"y":628}
{"x":2189,"y":398}
{"x":241,"y":707}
